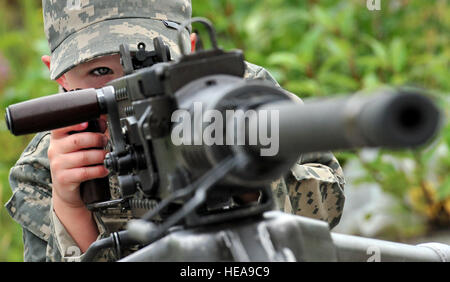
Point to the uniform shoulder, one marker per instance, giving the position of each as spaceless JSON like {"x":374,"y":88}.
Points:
{"x":36,"y":150}
{"x":33,"y":167}
{"x":253,"y":71}
{"x":30,"y":181}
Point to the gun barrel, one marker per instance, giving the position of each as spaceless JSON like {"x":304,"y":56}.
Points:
{"x":54,"y":111}
{"x":392,"y":121}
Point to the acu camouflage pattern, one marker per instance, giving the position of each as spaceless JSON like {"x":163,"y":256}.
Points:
{"x":315,"y":185}
{"x":313,"y":188}
{"x":80,"y":30}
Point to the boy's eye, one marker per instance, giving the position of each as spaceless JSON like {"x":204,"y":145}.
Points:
{"x":101,"y":71}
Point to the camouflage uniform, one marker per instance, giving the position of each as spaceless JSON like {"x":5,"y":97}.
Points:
{"x":312,"y":188}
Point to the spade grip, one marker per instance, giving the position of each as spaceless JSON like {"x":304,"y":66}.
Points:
{"x":54,"y":111}
{"x":95,"y":190}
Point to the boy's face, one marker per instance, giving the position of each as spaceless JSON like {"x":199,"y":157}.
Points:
{"x":92,"y":74}
{"x":97,"y":72}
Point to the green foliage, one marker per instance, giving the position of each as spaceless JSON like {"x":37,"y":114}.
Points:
{"x":313,"y":48}
{"x":327,"y":47}
{"x":24,"y":76}
{"x":323,"y":48}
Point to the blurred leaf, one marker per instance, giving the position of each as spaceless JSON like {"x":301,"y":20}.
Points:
{"x":398,"y":54}
{"x":370,"y":81}
{"x":379,"y":50}
{"x":285,"y":59}
{"x":443,"y":191}
{"x":345,"y":82}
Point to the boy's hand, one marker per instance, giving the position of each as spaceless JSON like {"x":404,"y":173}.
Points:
{"x":71,"y":163}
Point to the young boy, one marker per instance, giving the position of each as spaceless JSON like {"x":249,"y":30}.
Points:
{"x":84,"y":38}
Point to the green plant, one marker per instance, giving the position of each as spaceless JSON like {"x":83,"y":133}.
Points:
{"x":22,"y":42}
{"x":323,"y":48}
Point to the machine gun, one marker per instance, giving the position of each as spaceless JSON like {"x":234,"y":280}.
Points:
{"x":185,"y":185}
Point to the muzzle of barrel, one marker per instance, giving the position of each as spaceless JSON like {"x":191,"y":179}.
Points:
{"x":399,"y":120}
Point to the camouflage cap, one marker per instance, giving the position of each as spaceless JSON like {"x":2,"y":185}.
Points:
{"x":81,"y":30}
